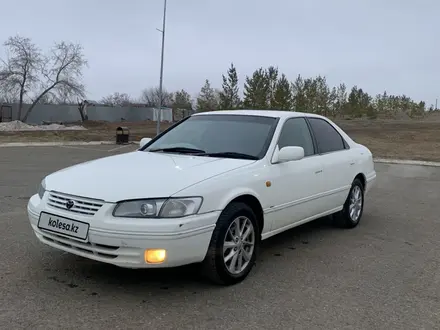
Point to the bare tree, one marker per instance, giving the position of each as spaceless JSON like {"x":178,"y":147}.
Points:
{"x":48,"y":99}
{"x":62,"y":95}
{"x":117,"y":99}
{"x":30,"y":73}
{"x":62,"y":72}
{"x":82,"y":108}
{"x":150,"y":97}
{"x":19,"y":72}
{"x":6,"y":96}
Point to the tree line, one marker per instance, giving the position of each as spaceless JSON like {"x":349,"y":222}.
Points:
{"x":271,"y":89}
{"x":28,"y":75}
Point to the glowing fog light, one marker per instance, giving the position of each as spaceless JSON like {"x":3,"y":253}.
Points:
{"x":155,"y":256}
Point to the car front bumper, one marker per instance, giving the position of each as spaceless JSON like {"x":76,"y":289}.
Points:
{"x":122,"y":242}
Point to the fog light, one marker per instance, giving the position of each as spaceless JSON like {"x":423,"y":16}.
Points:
{"x":155,"y":256}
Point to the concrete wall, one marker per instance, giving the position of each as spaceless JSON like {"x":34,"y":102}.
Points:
{"x":70,"y":113}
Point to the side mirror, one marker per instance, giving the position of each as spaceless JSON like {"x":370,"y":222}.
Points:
{"x":288,"y":154}
{"x":144,"y":141}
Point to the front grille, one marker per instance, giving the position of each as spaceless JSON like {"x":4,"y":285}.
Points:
{"x":81,"y":205}
{"x":100,"y":250}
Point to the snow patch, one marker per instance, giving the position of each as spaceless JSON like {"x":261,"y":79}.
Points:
{"x":17,"y":125}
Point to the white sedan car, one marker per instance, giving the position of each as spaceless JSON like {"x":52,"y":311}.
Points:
{"x":207,"y":191}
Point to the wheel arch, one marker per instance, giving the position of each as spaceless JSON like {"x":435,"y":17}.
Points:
{"x":254,"y":203}
{"x":362,"y":178}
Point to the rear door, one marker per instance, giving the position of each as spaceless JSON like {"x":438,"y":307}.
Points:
{"x":337,"y":161}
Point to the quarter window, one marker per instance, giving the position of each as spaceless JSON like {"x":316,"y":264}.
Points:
{"x":296,"y":133}
{"x":327,"y":138}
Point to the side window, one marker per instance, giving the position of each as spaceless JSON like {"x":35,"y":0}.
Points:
{"x":327,"y":138}
{"x":296,"y":133}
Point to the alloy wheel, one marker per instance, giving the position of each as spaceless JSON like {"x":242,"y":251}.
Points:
{"x":355,"y":206}
{"x":238,"y":245}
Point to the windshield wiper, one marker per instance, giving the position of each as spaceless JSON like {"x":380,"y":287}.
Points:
{"x":199,"y":152}
{"x":229,"y":154}
{"x":182,"y":150}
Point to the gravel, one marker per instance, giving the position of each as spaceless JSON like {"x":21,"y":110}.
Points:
{"x":17,"y":125}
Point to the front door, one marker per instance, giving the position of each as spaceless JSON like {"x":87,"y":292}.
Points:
{"x":296,"y":185}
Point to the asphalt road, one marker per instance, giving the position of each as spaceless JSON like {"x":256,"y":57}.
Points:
{"x":385,"y":274}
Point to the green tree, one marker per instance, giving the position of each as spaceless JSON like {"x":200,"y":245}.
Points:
{"x":323,"y":96}
{"x":380,"y":103}
{"x":272,"y":74}
{"x":340,"y":103}
{"x":299,"y":94}
{"x":182,"y":105}
{"x":283,"y":98}
{"x":418,"y":109}
{"x":229,"y":96}
{"x":256,"y":90}
{"x":353,"y":102}
{"x":359,"y":103}
{"x":182,"y":100}
{"x":311,"y":94}
{"x":207,"y":99}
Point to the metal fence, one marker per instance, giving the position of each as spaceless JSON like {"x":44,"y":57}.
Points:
{"x":70,"y":113}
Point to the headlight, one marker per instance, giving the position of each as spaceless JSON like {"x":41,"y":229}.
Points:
{"x":42,"y":189}
{"x":158,"y":208}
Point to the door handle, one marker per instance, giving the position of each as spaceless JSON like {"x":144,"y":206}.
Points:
{"x":317,"y":172}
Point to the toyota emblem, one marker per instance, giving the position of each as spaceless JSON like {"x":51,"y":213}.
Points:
{"x":69,"y":204}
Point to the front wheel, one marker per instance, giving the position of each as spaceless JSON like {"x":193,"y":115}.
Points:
{"x":233,"y":248}
{"x":351,"y":214}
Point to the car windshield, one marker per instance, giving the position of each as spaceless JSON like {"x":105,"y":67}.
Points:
{"x":224,"y":135}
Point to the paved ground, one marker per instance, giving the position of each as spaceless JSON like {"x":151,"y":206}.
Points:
{"x":385,"y":274}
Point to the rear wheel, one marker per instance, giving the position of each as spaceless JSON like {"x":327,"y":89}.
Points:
{"x":233,"y":248}
{"x":351,"y":214}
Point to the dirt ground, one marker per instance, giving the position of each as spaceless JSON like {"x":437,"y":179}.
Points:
{"x":417,"y":140}
{"x":96,"y":131}
{"x":401,"y":139}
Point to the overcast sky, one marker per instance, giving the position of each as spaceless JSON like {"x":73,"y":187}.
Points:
{"x":379,"y":45}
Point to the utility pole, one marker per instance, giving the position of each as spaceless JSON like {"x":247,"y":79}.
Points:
{"x":159,"y":110}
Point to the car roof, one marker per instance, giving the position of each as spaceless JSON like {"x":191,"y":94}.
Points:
{"x":263,"y":113}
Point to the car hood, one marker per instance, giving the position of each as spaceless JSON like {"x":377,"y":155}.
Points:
{"x":138,"y":174}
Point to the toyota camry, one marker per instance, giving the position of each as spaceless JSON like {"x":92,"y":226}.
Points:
{"x":207,"y":190}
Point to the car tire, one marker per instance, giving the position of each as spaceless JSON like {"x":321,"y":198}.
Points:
{"x":351,"y":214}
{"x":217,"y":267}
